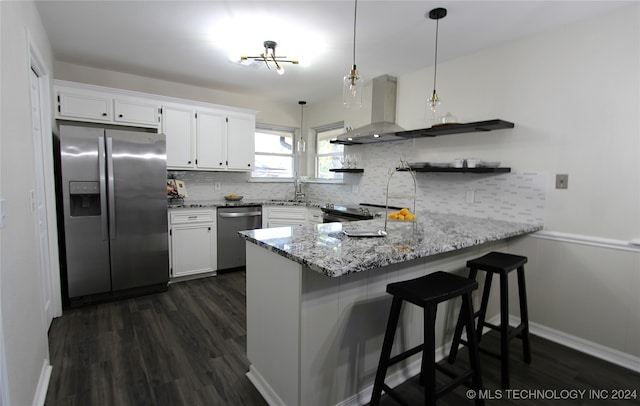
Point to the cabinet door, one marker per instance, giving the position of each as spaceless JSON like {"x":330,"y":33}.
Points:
{"x":241,"y":143}
{"x":136,"y":112}
{"x":178,"y":127}
{"x":314,"y":216}
{"x":192,"y":249}
{"x":210,"y":140}
{"x":86,"y":107}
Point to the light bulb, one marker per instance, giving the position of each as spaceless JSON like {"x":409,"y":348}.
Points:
{"x":280,"y":70}
{"x":352,"y":89}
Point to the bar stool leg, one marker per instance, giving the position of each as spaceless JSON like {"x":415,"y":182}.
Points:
{"x":524,"y":315}
{"x":504,"y":329}
{"x":385,"y":354}
{"x":459,"y":325}
{"x":482,"y":313}
{"x":474,"y":354}
{"x":429,"y":356}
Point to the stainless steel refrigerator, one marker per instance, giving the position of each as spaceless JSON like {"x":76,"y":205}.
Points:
{"x":113,"y":183}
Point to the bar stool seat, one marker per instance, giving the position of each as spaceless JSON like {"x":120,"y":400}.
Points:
{"x":501,"y":264}
{"x":426,"y":292}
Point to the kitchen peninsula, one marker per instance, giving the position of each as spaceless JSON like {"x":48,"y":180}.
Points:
{"x":317,"y":303}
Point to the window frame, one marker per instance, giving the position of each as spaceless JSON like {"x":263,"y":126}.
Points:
{"x":274,"y":130}
{"x":336,"y":176}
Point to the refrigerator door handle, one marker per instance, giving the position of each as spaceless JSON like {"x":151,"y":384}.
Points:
{"x":111,"y":189}
{"x":103,"y":187}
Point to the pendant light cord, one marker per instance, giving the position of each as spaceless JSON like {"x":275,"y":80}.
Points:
{"x":435,"y":67}
{"x":355,"y":15}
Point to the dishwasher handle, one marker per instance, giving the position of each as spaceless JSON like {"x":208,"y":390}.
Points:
{"x":241,"y":214}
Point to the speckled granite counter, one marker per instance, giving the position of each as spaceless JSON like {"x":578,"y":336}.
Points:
{"x":243,"y":202}
{"x":324,"y":247}
{"x":314,"y":340}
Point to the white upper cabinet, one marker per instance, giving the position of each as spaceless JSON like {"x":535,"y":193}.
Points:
{"x":179,"y":130}
{"x":85,"y":106}
{"x":225,"y":141}
{"x":100,"y":106}
{"x":136,"y":112}
{"x":211,"y":140}
{"x":241,"y":142}
{"x":200,"y":136}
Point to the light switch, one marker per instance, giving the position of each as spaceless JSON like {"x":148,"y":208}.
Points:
{"x":3,"y":214}
{"x":562,"y":181}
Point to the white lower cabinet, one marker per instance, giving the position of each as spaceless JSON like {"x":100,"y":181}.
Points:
{"x":314,"y":215}
{"x":193,"y":242}
{"x":284,"y":216}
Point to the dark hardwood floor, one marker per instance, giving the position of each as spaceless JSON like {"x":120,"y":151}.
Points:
{"x":187,"y":346}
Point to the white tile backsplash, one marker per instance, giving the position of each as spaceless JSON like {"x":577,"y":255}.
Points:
{"x":508,"y":196}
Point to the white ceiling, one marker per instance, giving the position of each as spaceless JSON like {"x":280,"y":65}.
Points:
{"x":185,"y":41}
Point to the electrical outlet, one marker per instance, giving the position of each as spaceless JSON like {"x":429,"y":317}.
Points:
{"x":562,"y":181}
{"x":471,"y":196}
{"x":217,"y":186}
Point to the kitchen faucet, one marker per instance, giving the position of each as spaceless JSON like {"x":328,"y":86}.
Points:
{"x":299,"y":191}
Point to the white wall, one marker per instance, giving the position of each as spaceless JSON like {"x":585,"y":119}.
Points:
{"x":25,"y":337}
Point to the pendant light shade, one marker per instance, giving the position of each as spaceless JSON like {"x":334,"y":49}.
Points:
{"x":434,"y":100}
{"x":352,"y":83}
{"x":301,"y":146}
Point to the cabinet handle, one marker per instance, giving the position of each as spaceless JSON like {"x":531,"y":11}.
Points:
{"x":120,"y":115}
{"x":192,"y":217}
{"x":189,"y":162}
{"x":248,"y":164}
{"x":104,"y":114}
{"x":209,"y":228}
{"x":220,"y":163}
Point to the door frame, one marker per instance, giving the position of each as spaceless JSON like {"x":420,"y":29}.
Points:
{"x":36,"y":62}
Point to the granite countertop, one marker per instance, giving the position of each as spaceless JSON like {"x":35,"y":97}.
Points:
{"x":325,"y":249}
{"x":243,"y":202}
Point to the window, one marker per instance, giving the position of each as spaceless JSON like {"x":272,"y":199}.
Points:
{"x":328,"y":155}
{"x":274,"y":153}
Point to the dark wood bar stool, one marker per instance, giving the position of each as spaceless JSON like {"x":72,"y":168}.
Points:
{"x":427,"y":292}
{"x":501,"y":264}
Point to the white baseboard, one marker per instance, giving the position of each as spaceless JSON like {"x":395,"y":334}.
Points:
{"x":269,"y":395}
{"x":579,"y":344}
{"x":43,"y":384}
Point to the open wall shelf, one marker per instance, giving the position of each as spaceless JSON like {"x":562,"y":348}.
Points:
{"x":459,"y":170}
{"x":446,"y":129}
{"x":435,"y":131}
{"x":347,"y":170}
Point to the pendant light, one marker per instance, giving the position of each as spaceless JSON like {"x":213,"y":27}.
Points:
{"x":434,"y":100}
{"x":301,"y":146}
{"x":352,"y":83}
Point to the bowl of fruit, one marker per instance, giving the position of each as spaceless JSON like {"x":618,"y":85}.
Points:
{"x":233,"y":197}
{"x":402,"y":215}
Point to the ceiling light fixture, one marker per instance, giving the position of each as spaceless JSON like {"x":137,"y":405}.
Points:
{"x":434,"y":99}
{"x":352,"y":83}
{"x":269,"y":55}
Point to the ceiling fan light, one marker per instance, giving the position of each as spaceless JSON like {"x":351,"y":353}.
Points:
{"x":280,"y":70}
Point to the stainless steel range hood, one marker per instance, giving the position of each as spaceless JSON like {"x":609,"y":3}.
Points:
{"x":383,"y":115}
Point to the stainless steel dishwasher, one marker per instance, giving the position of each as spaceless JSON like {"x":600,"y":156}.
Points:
{"x":231,"y":247}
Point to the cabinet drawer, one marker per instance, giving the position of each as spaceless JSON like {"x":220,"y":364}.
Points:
{"x":288,"y":213}
{"x":182,"y":217}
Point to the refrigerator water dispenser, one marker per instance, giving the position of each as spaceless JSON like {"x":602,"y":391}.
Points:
{"x":85,"y":198}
